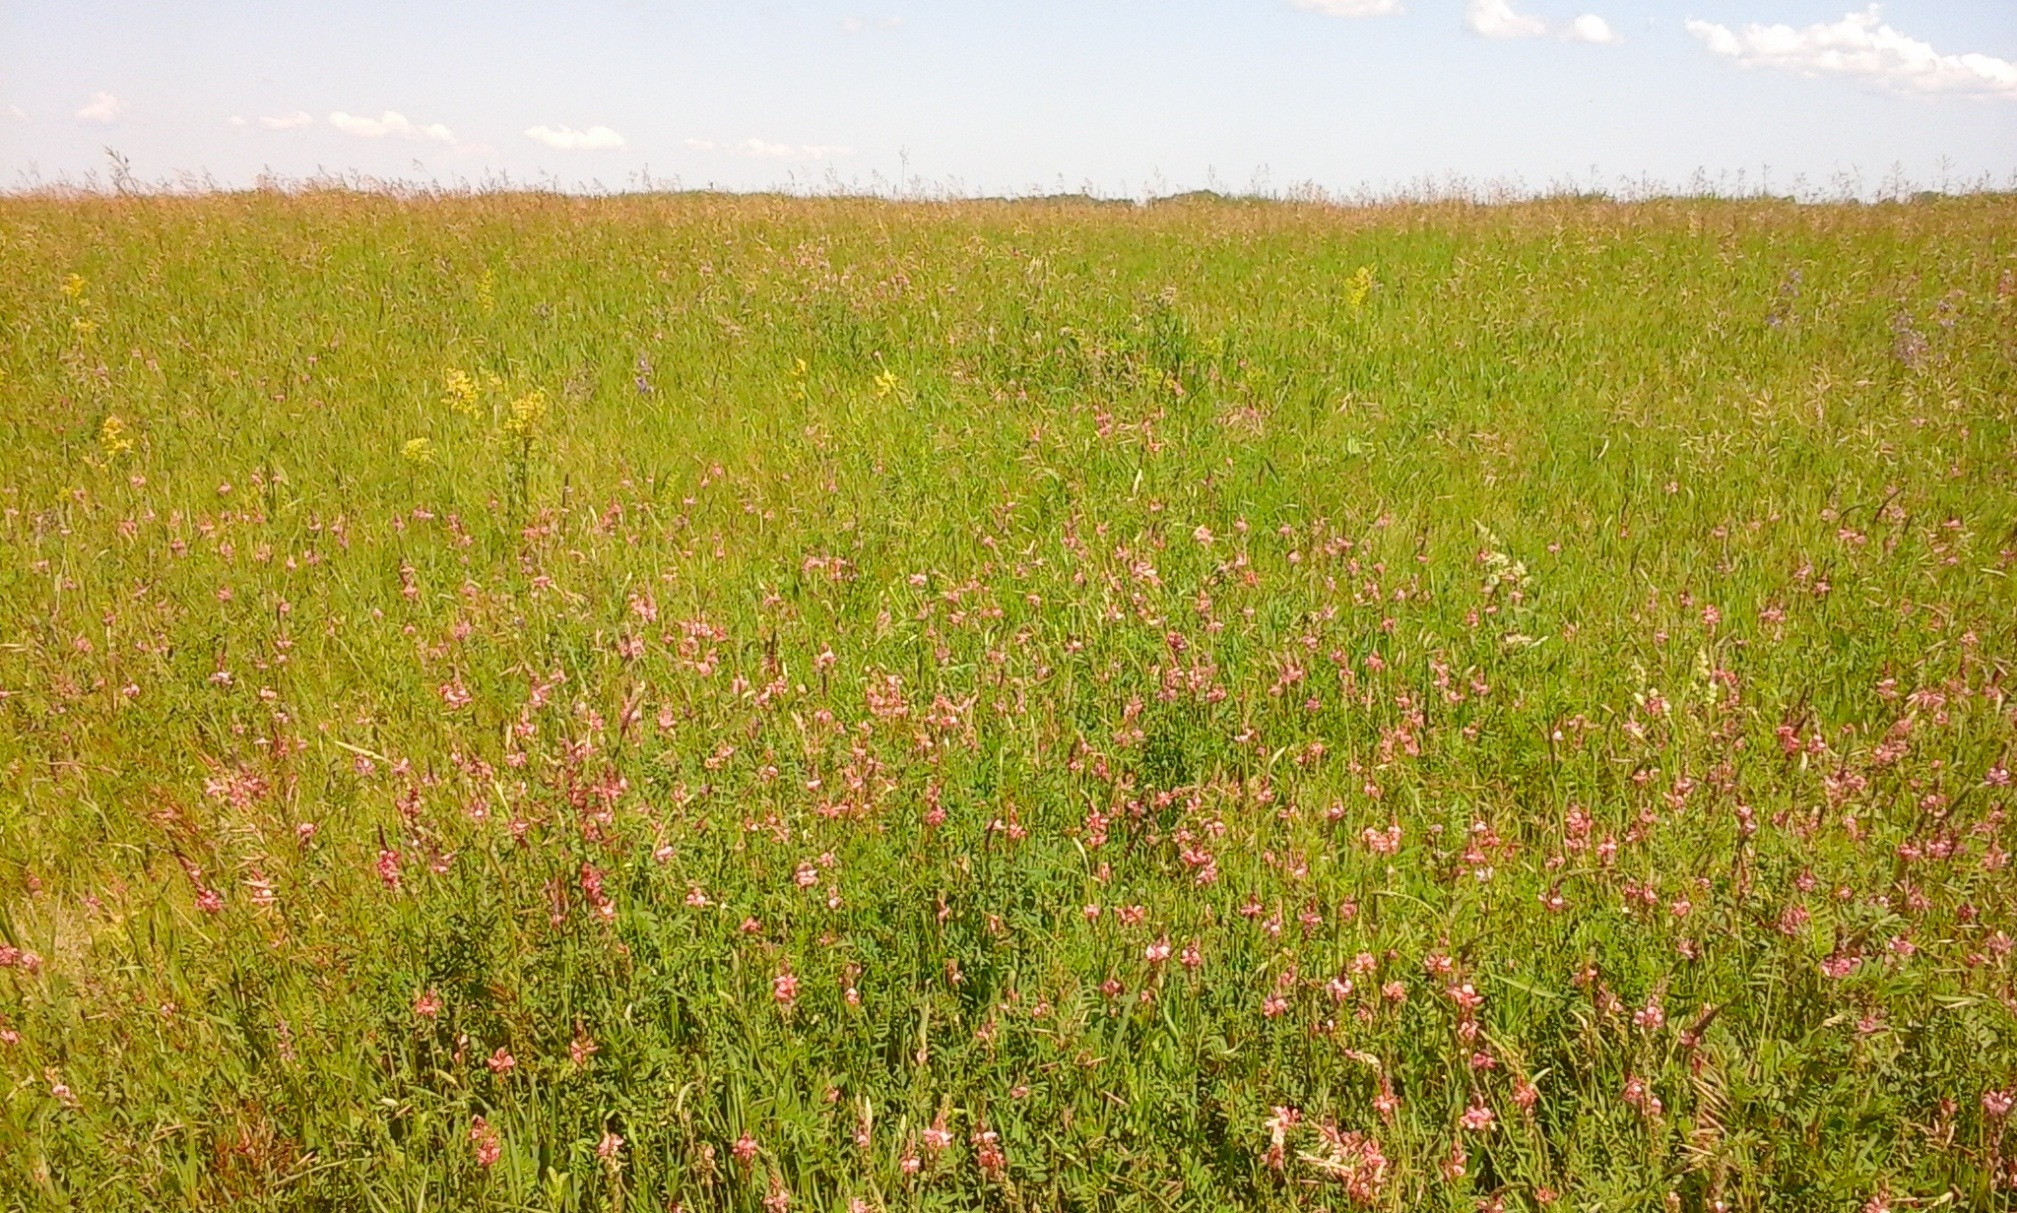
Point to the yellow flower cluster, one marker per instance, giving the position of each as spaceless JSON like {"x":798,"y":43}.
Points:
{"x":73,"y":289}
{"x":1360,"y":286}
{"x":525,"y":414}
{"x":481,"y":395}
{"x":112,"y":437}
{"x":465,"y":392}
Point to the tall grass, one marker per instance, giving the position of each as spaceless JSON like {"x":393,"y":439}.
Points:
{"x":731,"y":703}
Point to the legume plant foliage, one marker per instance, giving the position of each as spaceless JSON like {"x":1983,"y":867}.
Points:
{"x":707,"y":703}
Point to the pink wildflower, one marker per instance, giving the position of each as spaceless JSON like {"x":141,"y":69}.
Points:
{"x":988,"y":1152}
{"x":1278,"y":1127}
{"x":1386,"y":1103}
{"x":1458,"y":1164}
{"x":486,"y":1142}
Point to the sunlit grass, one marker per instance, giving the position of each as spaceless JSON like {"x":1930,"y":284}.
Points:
{"x":527,"y":702}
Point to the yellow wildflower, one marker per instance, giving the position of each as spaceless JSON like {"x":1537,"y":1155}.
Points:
{"x":112,"y":438}
{"x":1359,"y":287}
{"x":463,"y":392}
{"x":526,"y":413}
{"x":418,"y":450}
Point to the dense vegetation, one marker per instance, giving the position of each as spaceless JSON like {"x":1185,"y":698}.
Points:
{"x":729,"y":703}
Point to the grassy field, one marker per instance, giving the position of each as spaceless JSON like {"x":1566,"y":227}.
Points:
{"x":710,"y":703}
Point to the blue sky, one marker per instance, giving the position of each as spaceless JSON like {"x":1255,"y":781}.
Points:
{"x":1125,"y":97}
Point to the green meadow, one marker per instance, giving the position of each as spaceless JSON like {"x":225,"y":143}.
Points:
{"x":694,"y":702}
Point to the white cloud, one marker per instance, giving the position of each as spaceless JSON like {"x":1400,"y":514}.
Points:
{"x":566,"y":138}
{"x":103,"y":107}
{"x":762,"y":150}
{"x":701,"y":145}
{"x":287,"y":122}
{"x":1496,"y":19}
{"x":1351,"y":8}
{"x":1861,"y":46}
{"x":14,"y":113}
{"x":823,"y":151}
{"x":389,"y":123}
{"x":1592,"y":29}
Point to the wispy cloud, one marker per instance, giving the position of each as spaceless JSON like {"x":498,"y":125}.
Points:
{"x":1863,"y":47}
{"x":277,"y":122}
{"x":763,"y":149}
{"x":566,"y":138}
{"x":862,"y":25}
{"x":1351,"y":8}
{"x":14,"y":113}
{"x":102,"y":108}
{"x":389,"y":124}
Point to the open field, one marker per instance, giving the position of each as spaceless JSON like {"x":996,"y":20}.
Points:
{"x":712,"y":703}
